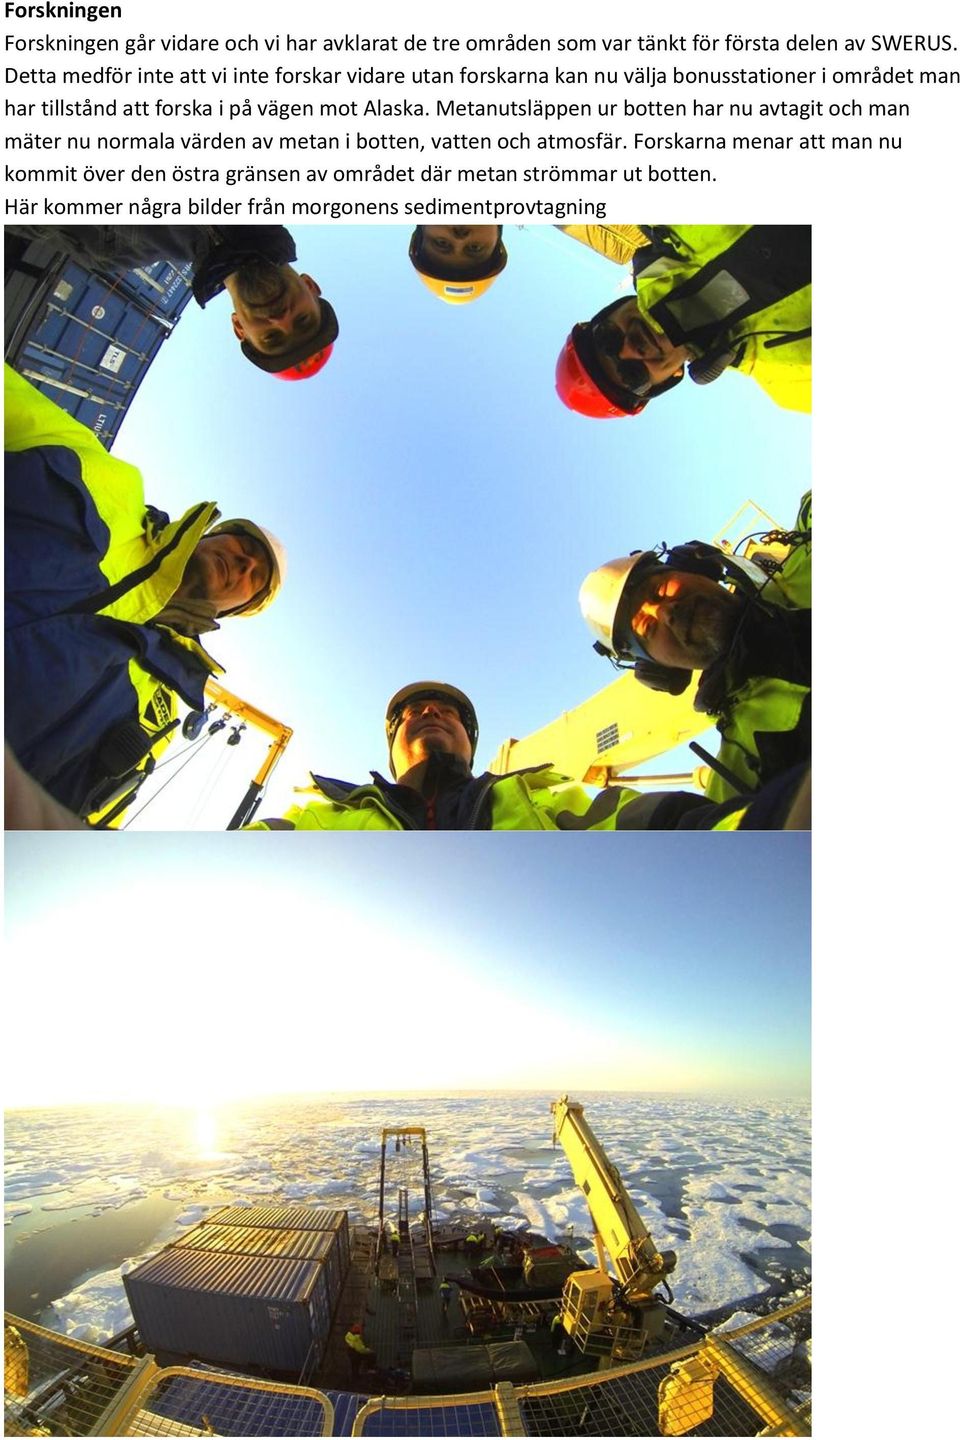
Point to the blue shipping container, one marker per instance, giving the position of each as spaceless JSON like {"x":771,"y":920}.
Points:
{"x":318,"y":1245}
{"x":87,"y":339}
{"x":289,"y":1217}
{"x":229,"y":1309}
{"x":162,"y":287}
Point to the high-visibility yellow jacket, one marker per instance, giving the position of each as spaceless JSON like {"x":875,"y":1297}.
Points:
{"x":89,"y":567}
{"x":535,"y":799}
{"x":742,"y":287}
{"x":764,"y":720}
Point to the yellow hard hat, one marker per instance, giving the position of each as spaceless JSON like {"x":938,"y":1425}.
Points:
{"x":456,"y":292}
{"x":454,"y":289}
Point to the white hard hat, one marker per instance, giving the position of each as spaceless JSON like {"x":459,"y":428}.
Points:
{"x":278,"y":556}
{"x":601,"y":595}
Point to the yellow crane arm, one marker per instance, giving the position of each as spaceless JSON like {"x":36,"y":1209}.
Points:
{"x":599,"y":740}
{"x":280,"y":736}
{"x":620,"y":1232}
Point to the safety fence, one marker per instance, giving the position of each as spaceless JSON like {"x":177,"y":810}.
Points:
{"x":751,"y":1380}
{"x":755,"y":1379}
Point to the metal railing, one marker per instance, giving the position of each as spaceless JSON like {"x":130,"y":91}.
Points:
{"x":754,"y":1379}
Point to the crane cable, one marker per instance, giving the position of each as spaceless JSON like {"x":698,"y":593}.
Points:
{"x":212,"y":779}
{"x":161,"y":764}
{"x":191,"y":755}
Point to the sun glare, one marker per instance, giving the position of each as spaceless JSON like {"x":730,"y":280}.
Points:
{"x":206,"y":1132}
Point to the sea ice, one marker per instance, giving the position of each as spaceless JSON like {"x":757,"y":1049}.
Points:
{"x":39,"y":1182}
{"x":95,"y":1310}
{"x":709,"y":1163}
{"x":192,"y":1215}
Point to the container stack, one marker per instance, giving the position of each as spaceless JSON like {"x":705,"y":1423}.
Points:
{"x":292,"y":1218}
{"x":249,"y":1287}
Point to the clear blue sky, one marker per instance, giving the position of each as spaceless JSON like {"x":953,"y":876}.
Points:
{"x":330,"y":962}
{"x":440,"y":506}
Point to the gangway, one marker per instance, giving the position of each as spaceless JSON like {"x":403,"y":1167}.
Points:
{"x":414,"y":1263}
{"x":408,"y":1152}
{"x":406,"y":1284}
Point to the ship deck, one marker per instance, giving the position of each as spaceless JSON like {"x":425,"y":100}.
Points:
{"x":402,"y":1311}
{"x":757,"y":1376}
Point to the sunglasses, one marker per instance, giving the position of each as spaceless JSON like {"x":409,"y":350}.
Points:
{"x":607,"y":338}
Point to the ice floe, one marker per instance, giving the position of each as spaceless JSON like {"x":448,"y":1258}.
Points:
{"x":710,"y":1177}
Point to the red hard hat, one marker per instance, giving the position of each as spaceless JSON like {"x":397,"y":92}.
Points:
{"x":305,"y":368}
{"x":304,"y":358}
{"x":580,"y":392}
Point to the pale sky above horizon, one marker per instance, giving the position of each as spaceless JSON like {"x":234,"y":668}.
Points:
{"x":193,"y":973}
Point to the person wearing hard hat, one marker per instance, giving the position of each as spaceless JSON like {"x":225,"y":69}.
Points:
{"x":745,"y":623}
{"x":360,"y":1354}
{"x":284,"y":325}
{"x":432,"y":734}
{"x":106,"y":601}
{"x":458,"y":263}
{"x":709,"y":298}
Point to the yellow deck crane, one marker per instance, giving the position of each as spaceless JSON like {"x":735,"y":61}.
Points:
{"x":617,"y":1312}
{"x":616,"y":1315}
{"x":599,"y":741}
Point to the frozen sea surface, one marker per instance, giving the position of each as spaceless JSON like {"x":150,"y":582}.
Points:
{"x":89,"y":1192}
